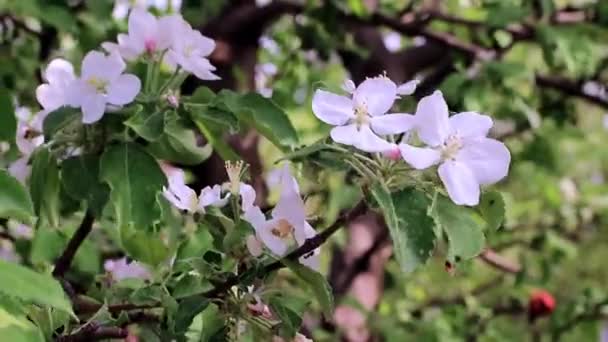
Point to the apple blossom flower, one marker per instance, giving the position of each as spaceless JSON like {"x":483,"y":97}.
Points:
{"x":122,"y":7}
{"x":287,"y":222}
{"x":190,"y":49}
{"x":59,"y":75}
{"x":102,"y":82}
{"x":147,"y":35}
{"x":361,"y":119}
{"x":28,"y":138}
{"x":467,"y":158}
{"x":120,"y":269}
{"x":408,"y":88}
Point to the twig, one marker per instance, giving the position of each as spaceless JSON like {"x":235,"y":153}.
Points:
{"x":594,"y":314}
{"x":65,"y":260}
{"x":569,"y":87}
{"x":498,"y":261}
{"x":94,"y":332}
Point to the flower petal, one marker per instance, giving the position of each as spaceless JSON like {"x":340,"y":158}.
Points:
{"x":346,"y":135}
{"x":275,"y":244}
{"x":248,"y":195}
{"x":142,"y":24}
{"x":432,"y":119}
{"x":419,"y":157}
{"x":470,"y":125}
{"x":331,"y":108}
{"x":392,"y":123}
{"x":460,"y":183}
{"x":124,"y":89}
{"x":59,"y":71}
{"x":376,"y":94}
{"x":50,"y":97}
{"x":254,"y":245}
{"x":408,"y":88}
{"x":367,"y":141}
{"x":487,"y":158}
{"x":93,"y":108}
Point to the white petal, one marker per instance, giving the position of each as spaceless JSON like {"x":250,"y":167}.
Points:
{"x":312,"y":260}
{"x":460,"y":183}
{"x":367,"y":141}
{"x":331,"y":108}
{"x":470,"y":125}
{"x":204,"y":45}
{"x":290,"y":207}
{"x":142,"y":24}
{"x":432,"y":119}
{"x":303,"y":232}
{"x":49,"y":97}
{"x":418,"y":157}
{"x":20,"y":169}
{"x":408,"y":88}
{"x":276,"y":245}
{"x":128,"y":47}
{"x":346,"y":135}
{"x":349,"y":86}
{"x":248,"y":195}
{"x":256,"y":218}
{"x":93,"y":108}
{"x":488,"y":159}
{"x":376,"y":94}
{"x":124,"y":89}
{"x":392,"y":123}
{"x":59,"y":71}
{"x":93,"y":65}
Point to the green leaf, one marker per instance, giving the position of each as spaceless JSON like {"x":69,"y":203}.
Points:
{"x":15,"y":202}
{"x":465,"y":236}
{"x":80,"y":180}
{"x":214,"y":138}
{"x":187,"y":310}
{"x":17,"y":328}
{"x":411,"y":207}
{"x":135,"y":178}
{"x":64,"y":118}
{"x":147,"y":247}
{"x":307,"y":151}
{"x":410,"y":227}
{"x":8,"y":121}
{"x":59,"y":17}
{"x":45,"y":186}
{"x":317,"y":283}
{"x":29,"y":286}
{"x":179,"y":144}
{"x":492,"y":209}
{"x":196,"y":245}
{"x":289,"y":310}
{"x":146,"y":125}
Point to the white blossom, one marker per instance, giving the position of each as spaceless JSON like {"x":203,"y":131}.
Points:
{"x":28,"y":138}
{"x":120,"y":269}
{"x":361,"y":119}
{"x":459,"y":144}
{"x":102,"y":82}
{"x":122,"y":7}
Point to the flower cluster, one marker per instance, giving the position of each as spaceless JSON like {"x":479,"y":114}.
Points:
{"x":103,"y":83}
{"x":467,"y":159}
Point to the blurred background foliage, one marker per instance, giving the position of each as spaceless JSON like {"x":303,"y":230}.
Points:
{"x":538,"y":67}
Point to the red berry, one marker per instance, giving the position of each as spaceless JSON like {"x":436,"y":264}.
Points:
{"x":541,"y":303}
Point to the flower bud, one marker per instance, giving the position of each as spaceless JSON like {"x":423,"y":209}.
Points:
{"x":541,"y":303}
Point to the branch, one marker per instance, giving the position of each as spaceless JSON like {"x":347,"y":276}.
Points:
{"x":94,"y":332}
{"x":65,"y":260}
{"x":595,"y":314}
{"x":498,"y":261}
{"x":572,"y":88}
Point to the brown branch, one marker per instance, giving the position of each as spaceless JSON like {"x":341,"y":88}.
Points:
{"x":65,"y":260}
{"x":94,"y":332}
{"x":571,"y":88}
{"x":7,"y":236}
{"x":497,"y":261}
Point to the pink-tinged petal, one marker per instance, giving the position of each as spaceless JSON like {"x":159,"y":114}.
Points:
{"x":254,"y":246}
{"x":20,"y":169}
{"x":488,"y":159}
{"x":248,"y":195}
{"x":367,"y":141}
{"x":392,"y":123}
{"x":59,"y":71}
{"x":419,"y":157}
{"x":142,"y":25}
{"x":331,"y":108}
{"x":470,"y":125}
{"x":376,"y":94}
{"x":49,"y":97}
{"x":432,"y":119}
{"x":120,"y":269}
{"x":408,"y":88}
{"x":460,"y":183}
{"x":129,"y":48}
{"x":93,"y":108}
{"x":346,"y":135}
{"x":124,"y":89}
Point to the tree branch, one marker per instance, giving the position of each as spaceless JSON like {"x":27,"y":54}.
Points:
{"x":65,"y":260}
{"x":569,"y":87}
{"x":498,"y":261}
{"x":94,"y":332}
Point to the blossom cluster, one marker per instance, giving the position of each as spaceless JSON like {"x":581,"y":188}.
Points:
{"x":467,"y":158}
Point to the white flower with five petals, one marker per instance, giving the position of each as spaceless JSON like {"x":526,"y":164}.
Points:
{"x":102,"y":82}
{"x":362,"y":119}
{"x":190,"y":49}
{"x":467,"y":158}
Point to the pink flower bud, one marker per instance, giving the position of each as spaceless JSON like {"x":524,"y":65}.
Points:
{"x":393,"y":154}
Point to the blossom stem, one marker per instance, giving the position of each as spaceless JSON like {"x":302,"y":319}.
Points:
{"x":65,"y":260}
